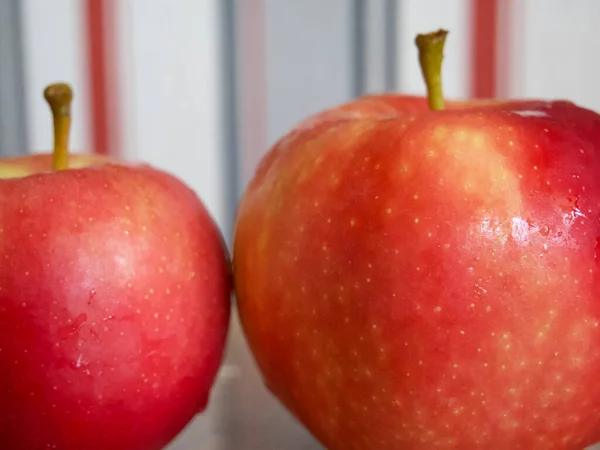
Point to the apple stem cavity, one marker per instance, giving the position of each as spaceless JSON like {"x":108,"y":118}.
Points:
{"x":431,"y":54}
{"x":59,"y":96}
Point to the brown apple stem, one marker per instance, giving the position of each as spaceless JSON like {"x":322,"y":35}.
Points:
{"x":431,"y":54}
{"x":59,"y":98}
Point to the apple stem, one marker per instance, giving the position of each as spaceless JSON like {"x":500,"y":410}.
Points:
{"x":59,"y":96}
{"x":431,"y":54}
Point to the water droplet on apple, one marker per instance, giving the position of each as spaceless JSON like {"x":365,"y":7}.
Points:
{"x":66,"y":331}
{"x":545,"y":230}
{"x":572,"y":211}
{"x":93,"y":334}
{"x":91,"y":296}
{"x":597,"y":251}
{"x":79,"y":363}
{"x":480,"y":290}
{"x":109,"y":317}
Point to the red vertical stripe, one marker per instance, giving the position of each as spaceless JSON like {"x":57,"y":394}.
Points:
{"x":485,"y":48}
{"x":101,"y":58}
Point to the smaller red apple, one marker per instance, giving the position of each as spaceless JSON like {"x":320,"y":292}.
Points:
{"x":114,"y":300}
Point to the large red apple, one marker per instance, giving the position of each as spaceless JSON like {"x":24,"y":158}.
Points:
{"x":114,"y":302}
{"x":418,"y":279}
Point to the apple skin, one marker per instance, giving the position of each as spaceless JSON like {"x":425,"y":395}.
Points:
{"x":409,"y":279}
{"x":114,"y":305}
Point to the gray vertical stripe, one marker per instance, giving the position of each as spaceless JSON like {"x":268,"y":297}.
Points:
{"x":391,"y":45}
{"x":13,"y":126}
{"x":374,"y":38}
{"x":359,"y":47}
{"x":229,"y":61}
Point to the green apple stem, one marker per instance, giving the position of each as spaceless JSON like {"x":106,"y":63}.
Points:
{"x":59,"y":98}
{"x":431,"y":54}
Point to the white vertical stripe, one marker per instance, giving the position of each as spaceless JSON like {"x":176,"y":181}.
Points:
{"x":309,"y":60}
{"x":54,"y":46}
{"x":170,"y":86}
{"x":423,"y":16}
{"x":509,"y":38}
{"x":560,"y":48}
{"x":126,"y":66}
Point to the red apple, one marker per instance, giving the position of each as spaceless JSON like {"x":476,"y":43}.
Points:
{"x":114,"y":301}
{"x":414,"y":279}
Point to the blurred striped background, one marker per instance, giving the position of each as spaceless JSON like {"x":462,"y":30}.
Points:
{"x":201,"y":88}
